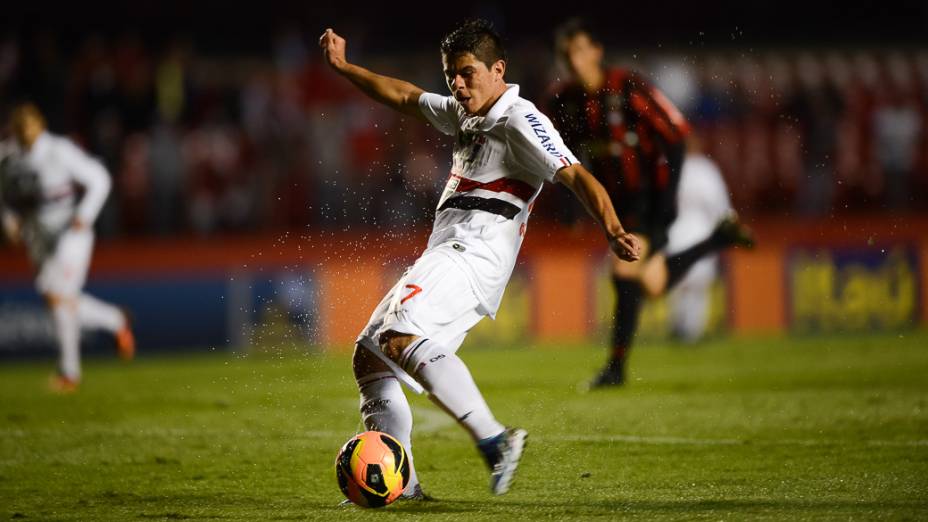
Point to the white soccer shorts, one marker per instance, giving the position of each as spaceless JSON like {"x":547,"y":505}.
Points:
{"x":64,"y":271}
{"x":433,"y":299}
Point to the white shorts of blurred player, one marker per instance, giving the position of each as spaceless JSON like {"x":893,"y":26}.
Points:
{"x":64,"y":271}
{"x":702,"y":201}
{"x":433,"y":299}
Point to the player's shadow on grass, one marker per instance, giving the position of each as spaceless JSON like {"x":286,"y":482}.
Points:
{"x":507,"y":509}
{"x":644,"y":507}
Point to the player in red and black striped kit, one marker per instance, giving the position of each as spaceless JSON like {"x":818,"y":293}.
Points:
{"x":634,"y":141}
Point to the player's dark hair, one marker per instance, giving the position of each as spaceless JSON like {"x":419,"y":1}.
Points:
{"x":477,"y":37}
{"x":573,"y":27}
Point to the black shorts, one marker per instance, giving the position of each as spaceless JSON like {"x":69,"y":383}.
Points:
{"x":652,"y":208}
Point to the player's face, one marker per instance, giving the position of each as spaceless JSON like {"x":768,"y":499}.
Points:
{"x":584,"y":56}
{"x":474,"y":85}
{"x":27,"y":127}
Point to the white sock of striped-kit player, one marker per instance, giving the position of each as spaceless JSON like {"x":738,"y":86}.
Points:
{"x":384,"y":406}
{"x":450,"y":385}
{"x":68,"y":333}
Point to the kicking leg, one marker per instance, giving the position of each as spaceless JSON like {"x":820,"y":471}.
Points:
{"x":447,"y":379}
{"x":450,"y":385}
{"x":94,"y":313}
{"x":728,"y":233}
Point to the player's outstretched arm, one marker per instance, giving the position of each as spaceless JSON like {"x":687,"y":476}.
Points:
{"x":95,"y":179}
{"x":398,"y":94}
{"x":596,"y":200}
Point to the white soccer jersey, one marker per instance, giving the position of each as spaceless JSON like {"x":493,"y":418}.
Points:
{"x":499,"y":164}
{"x":59,"y":164}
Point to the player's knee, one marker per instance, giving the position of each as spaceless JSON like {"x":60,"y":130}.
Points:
{"x":364,"y":362}
{"x":653,"y":285}
{"x":52,"y":300}
{"x":654,"y":276}
{"x":55,"y":300}
{"x":626,"y":270}
{"x":651,"y":290}
{"x":393,"y":343}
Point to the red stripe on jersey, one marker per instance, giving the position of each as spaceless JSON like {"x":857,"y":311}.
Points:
{"x":671,"y":126}
{"x":58,"y":193}
{"x":650,"y":112}
{"x":683,"y":127}
{"x":565,"y":162}
{"x":519,"y":189}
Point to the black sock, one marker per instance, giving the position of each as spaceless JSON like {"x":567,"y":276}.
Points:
{"x":627,"y":309}
{"x":679,"y":264}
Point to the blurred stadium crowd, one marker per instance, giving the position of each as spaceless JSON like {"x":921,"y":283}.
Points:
{"x":205,"y":143}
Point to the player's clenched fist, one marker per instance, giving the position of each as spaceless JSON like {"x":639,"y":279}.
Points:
{"x":333,"y":47}
{"x":627,"y":246}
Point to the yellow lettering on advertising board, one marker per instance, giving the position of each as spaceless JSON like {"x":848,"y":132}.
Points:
{"x":854,"y":297}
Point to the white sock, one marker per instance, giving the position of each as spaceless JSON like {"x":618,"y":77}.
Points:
{"x":384,"y":407}
{"x":68,"y":330}
{"x":447,"y":379}
{"x":94,"y":313}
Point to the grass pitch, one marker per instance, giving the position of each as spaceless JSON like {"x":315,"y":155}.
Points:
{"x":808,"y":429}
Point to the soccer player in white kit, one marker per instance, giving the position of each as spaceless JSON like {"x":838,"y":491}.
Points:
{"x":504,"y":150}
{"x":57,"y":228}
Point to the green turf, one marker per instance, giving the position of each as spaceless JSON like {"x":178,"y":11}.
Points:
{"x":809,"y":429}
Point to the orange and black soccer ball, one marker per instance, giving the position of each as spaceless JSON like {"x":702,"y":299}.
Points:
{"x":372,"y":469}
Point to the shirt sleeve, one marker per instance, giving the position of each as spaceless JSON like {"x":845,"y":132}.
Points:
{"x":536,"y":145}
{"x":440,"y":111}
{"x":90,"y":174}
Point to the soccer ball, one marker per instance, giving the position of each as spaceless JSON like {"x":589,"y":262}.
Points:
{"x":372,"y":469}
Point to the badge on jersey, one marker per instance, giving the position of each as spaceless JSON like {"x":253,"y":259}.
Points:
{"x":450,"y":188}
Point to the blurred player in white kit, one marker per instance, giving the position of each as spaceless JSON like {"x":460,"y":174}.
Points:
{"x":41,"y":206}
{"x":702,"y":202}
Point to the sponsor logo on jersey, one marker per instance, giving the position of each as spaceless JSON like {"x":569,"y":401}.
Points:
{"x":542,"y":134}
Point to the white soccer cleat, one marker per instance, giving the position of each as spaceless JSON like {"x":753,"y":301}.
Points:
{"x":502,"y":454}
